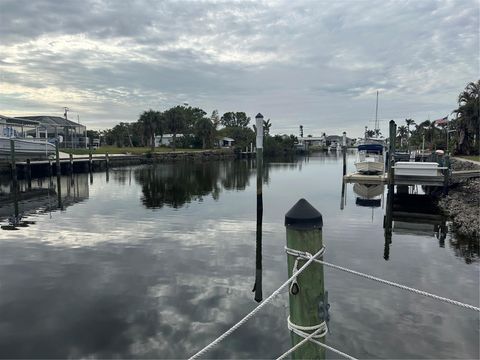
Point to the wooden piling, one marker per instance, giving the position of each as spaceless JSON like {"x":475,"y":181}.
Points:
{"x":392,"y":129}
{"x":90,"y":161}
{"x":28,"y":174}
{"x":13,"y":164}
{"x":70,"y":168}
{"x":57,"y":159}
{"x":446,"y":174}
{"x":307,"y":295}
{"x":107,"y":160}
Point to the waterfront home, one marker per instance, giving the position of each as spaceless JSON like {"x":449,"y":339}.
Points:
{"x":166,"y":139}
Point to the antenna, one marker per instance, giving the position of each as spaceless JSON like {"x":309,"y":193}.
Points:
{"x":66,"y":111}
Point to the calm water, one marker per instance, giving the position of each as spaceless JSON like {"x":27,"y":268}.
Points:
{"x":155,"y":262}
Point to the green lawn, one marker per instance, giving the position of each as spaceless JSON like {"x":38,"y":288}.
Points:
{"x":124,"y":150}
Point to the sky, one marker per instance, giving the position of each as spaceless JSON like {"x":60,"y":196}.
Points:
{"x":311,"y":63}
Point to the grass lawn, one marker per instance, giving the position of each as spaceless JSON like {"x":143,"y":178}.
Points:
{"x":471,"y":157}
{"x":123,"y":150}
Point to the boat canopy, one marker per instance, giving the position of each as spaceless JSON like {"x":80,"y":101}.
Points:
{"x":373,"y":148}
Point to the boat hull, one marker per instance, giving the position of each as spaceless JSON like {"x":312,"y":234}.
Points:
{"x":369,"y":167}
{"x":26,"y":149}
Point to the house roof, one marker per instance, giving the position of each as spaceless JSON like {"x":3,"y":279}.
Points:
{"x":17,"y":121}
{"x":227,"y":139}
{"x":51,"y":121}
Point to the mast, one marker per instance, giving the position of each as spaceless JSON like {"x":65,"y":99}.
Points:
{"x":376,"y":114}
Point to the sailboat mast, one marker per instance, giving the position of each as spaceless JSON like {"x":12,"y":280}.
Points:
{"x":376,"y":114}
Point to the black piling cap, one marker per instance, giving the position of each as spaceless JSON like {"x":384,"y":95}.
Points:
{"x":303,"y":216}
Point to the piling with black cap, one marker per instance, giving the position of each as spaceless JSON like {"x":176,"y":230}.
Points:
{"x":304,"y":226}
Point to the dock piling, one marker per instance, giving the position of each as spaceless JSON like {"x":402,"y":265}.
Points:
{"x":307,"y":296}
{"x":70,"y":168}
{"x":28,"y":174}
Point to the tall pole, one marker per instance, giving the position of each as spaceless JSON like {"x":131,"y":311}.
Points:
{"x":376,"y":113}
{"x":258,"y":256}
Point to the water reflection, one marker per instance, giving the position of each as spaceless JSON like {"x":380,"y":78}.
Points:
{"x":177,"y":184}
{"x":39,"y":196}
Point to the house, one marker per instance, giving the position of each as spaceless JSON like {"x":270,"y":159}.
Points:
{"x":70,"y":133}
{"x":165,"y":139}
{"x":225,"y":142}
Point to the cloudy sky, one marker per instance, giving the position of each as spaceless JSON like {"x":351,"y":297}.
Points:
{"x":311,"y":63}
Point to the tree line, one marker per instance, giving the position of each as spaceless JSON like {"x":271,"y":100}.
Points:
{"x":460,"y":135}
{"x":197,"y":129}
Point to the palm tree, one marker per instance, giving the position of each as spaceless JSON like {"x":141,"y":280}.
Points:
{"x":402,"y":132}
{"x":409,"y":122}
{"x":152,"y":124}
{"x":266,"y":127}
{"x":205,"y":130}
{"x":467,"y":118}
{"x":175,"y":122}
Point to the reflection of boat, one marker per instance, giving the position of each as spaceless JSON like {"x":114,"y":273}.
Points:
{"x":370,"y":157}
{"x":368,"y":191}
{"x":26,"y":148}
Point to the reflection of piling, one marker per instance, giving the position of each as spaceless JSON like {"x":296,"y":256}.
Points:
{"x":58,"y":173}
{"x":387,"y":222}
{"x":258,"y":257}
{"x":306,"y":296}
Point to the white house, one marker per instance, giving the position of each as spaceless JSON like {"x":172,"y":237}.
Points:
{"x":165,"y":140}
{"x":226,"y":142}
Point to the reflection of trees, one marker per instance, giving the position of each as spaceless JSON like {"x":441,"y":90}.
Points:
{"x":179,"y":183}
{"x":237,"y":174}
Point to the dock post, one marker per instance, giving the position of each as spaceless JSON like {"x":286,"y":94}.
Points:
{"x":446,"y":174}
{"x":90,"y":161}
{"x":57,"y":159}
{"x":307,"y":299}
{"x":13,"y":164}
{"x":392,"y":127}
{"x":71,"y":164}
{"x":29,"y":174}
{"x":344,"y":151}
{"x":107,"y":160}
{"x":258,"y":251}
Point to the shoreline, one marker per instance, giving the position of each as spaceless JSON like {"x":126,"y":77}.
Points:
{"x":462,"y":204}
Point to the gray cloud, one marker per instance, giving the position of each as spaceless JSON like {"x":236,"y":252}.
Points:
{"x":315,"y":63}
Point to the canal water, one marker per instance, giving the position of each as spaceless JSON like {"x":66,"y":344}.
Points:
{"x":157,"y":261}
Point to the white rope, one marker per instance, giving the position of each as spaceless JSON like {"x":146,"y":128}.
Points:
{"x":259,"y":307}
{"x":320,"y":331}
{"x":386,"y":282}
{"x":338,"y":352}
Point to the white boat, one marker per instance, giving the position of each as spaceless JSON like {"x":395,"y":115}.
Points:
{"x":26,"y":148}
{"x":370,"y":158}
